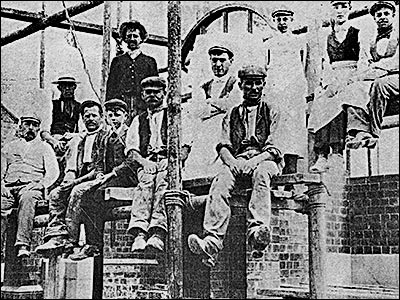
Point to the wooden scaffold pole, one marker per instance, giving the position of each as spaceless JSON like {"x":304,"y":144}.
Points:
{"x":105,"y":64}
{"x":174,"y":199}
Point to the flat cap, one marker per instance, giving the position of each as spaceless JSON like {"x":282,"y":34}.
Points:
{"x":335,"y":2}
{"x":115,"y":103}
{"x":90,"y":103}
{"x":65,"y":79}
{"x":282,"y":12}
{"x":153,"y":81}
{"x":379,"y":4}
{"x":223,"y":49}
{"x":133,"y":25}
{"x":252,"y":71}
{"x":30,"y":117}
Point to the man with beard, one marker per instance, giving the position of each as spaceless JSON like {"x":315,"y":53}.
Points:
{"x":28,"y":167}
{"x":246,"y":148}
{"x":80,"y":167}
{"x":384,"y":70}
{"x":146,"y":146}
{"x":129,"y":69}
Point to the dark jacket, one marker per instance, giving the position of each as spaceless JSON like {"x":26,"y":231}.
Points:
{"x":112,"y":158}
{"x":230,"y":83}
{"x":125,"y":77}
{"x":98,"y":144}
{"x":63,"y":121}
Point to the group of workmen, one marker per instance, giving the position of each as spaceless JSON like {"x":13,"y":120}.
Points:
{"x":235,"y":127}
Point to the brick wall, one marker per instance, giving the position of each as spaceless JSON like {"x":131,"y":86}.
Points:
{"x":374,"y":214}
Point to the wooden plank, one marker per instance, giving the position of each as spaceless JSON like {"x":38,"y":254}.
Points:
{"x":79,"y":26}
{"x":48,"y":21}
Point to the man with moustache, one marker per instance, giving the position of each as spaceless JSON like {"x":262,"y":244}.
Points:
{"x":130,"y":68}
{"x":247,"y":151}
{"x":28,"y":167}
{"x":112,"y":170}
{"x":79,"y":168}
{"x":384,"y":70}
{"x":146,"y":146}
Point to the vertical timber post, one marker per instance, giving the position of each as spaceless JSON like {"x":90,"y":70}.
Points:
{"x":106,"y":49}
{"x":174,"y":208}
{"x":42,"y":50}
{"x":317,"y":240}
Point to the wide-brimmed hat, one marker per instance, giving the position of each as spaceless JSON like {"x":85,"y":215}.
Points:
{"x":115,"y":103}
{"x":65,"y":79}
{"x":135,"y":25}
{"x":379,"y":4}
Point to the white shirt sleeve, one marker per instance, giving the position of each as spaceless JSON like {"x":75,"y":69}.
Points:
{"x":132,"y":137}
{"x":50,"y":166}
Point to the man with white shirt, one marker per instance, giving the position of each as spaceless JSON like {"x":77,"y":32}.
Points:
{"x":146,"y":145}
{"x":247,"y":150}
{"x":28,"y":167}
{"x":205,"y":111}
{"x":384,"y":69}
{"x":129,"y":69}
{"x":80,"y":167}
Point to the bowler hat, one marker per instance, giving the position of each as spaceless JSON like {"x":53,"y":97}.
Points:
{"x":334,"y":2}
{"x":115,"y":103}
{"x":153,"y":81}
{"x":65,"y":79}
{"x":133,"y":25}
{"x":90,"y":103}
{"x":379,"y":4}
{"x":252,"y":71}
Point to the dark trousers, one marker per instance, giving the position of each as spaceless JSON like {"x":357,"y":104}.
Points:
{"x":332,"y":136}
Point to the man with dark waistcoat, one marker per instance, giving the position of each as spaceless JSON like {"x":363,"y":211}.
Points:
{"x":146,"y":146}
{"x":65,"y":115}
{"x":130,"y":68}
{"x":28,"y":167}
{"x":80,"y":168}
{"x":246,"y":148}
{"x":384,"y":69}
{"x":112,"y":170}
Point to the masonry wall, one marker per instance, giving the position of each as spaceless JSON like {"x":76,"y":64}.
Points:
{"x":374,"y":214}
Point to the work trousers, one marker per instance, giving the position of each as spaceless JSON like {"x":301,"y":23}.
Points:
{"x":27,"y":196}
{"x":218,"y":211}
{"x":148,"y":206}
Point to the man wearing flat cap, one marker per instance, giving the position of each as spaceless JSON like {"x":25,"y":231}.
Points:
{"x":146,"y":146}
{"x":112,"y":170}
{"x":209,"y":103}
{"x":384,"y":71}
{"x":247,"y":151}
{"x":286,"y":86}
{"x":129,"y":69}
{"x":80,"y":167}
{"x":28,"y":167}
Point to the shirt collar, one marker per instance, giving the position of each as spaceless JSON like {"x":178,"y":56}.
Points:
{"x":134,"y":53}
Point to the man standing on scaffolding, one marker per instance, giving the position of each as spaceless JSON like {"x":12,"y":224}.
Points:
{"x":129,"y":69}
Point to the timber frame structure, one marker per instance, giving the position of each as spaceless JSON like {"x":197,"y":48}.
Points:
{"x":176,"y":199}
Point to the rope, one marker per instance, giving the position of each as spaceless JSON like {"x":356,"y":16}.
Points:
{"x":73,"y":41}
